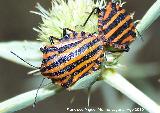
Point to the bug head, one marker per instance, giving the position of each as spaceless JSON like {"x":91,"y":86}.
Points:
{"x":47,"y":49}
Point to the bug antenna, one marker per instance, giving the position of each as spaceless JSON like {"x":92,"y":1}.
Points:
{"x":35,"y":100}
{"x":24,"y":60}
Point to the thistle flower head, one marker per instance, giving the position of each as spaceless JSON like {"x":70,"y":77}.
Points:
{"x":71,"y":14}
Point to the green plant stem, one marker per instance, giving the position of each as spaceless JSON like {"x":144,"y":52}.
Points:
{"x":152,"y":14}
{"x":120,"y":83}
{"x":26,"y":99}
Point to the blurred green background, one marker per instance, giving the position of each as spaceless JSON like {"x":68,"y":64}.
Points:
{"x":16,"y":23}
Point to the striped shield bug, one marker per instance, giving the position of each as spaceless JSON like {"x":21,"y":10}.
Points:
{"x":75,"y":55}
{"x":71,"y":58}
{"x":115,"y":26}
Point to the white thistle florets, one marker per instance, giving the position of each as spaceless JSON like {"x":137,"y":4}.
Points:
{"x":71,"y":14}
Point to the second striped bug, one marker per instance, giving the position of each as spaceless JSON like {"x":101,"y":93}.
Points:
{"x":115,"y":26}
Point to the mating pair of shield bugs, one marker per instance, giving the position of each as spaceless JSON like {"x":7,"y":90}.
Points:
{"x":78,"y":54}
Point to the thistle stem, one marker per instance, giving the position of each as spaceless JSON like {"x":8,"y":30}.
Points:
{"x":152,"y":14}
{"x":120,"y":83}
{"x":26,"y":99}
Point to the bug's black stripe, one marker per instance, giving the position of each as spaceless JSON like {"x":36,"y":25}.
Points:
{"x":94,"y":68}
{"x":120,"y":18}
{"x":113,"y":12}
{"x":70,"y":81}
{"x":100,"y":21}
{"x":49,"y":58}
{"x":71,"y":55}
{"x":60,"y":50}
{"x":80,"y":70}
{"x":83,"y":34}
{"x":48,"y":49}
{"x":120,"y":30}
{"x":132,"y":33}
{"x":98,"y":62}
{"x":68,"y":46}
{"x":85,"y":74}
{"x":74,"y":64}
{"x":100,"y":16}
{"x":74,"y":73}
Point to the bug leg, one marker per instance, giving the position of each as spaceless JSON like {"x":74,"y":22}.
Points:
{"x":94,"y":33}
{"x":105,"y":55}
{"x":35,"y":101}
{"x":95,"y":9}
{"x":51,"y":38}
{"x":120,"y":48}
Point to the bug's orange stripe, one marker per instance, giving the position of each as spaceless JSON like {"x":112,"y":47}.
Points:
{"x":65,"y":80}
{"x":100,"y":24}
{"x":134,"y":29}
{"x":96,"y":65}
{"x":116,"y":28}
{"x":128,"y":39}
{"x":99,"y":29}
{"x":85,"y":41}
{"x":108,"y":10}
{"x":45,"y":56}
{"x":71,"y":35}
{"x":123,"y":33}
{"x":113,"y":19}
{"x":72,"y":60}
{"x":81,"y":73}
{"x":117,"y":7}
{"x":79,"y":35}
{"x":71,"y":49}
{"x":79,"y":66}
{"x":100,"y":14}
{"x":100,"y":59}
{"x":87,"y":34}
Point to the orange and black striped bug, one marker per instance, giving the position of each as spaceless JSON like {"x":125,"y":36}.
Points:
{"x":71,"y":58}
{"x":115,"y":26}
{"x":74,"y":56}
